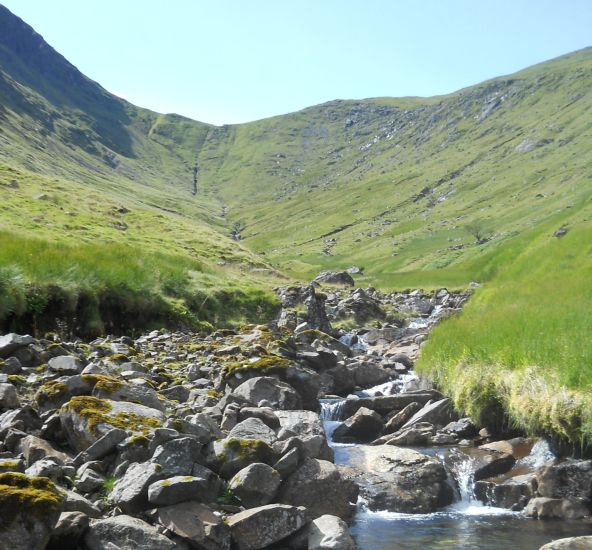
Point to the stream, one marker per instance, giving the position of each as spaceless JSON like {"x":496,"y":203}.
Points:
{"x":466,"y":524}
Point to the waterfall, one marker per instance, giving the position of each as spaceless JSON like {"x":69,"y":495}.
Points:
{"x":462,"y":467}
{"x":331,"y":409}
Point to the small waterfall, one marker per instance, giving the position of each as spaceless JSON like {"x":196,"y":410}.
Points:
{"x":462,"y":467}
{"x":331,"y":409}
{"x":540,"y":454}
{"x":353,"y":342}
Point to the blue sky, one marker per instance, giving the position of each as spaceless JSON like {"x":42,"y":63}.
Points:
{"x":228,"y":61}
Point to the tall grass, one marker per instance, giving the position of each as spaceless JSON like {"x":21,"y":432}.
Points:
{"x":522,"y":344}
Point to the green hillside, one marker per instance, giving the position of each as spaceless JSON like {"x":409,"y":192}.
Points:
{"x":113,"y":218}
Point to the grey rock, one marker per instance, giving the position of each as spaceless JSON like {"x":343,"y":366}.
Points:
{"x":335,"y":278}
{"x":11,"y":366}
{"x":178,"y":456}
{"x":370,"y":374}
{"x":385,"y":404}
{"x":65,"y":365}
{"x":463,"y":427}
{"x":417,"y":435}
{"x":329,"y":533}
{"x":35,"y":448}
{"x":229,"y":456}
{"x":89,"y":482}
{"x":514,"y":493}
{"x":362,"y":427}
{"x":263,"y":526}
{"x":130,"y":492}
{"x":255,"y":485}
{"x":46,"y":467}
{"x":197,"y":524}
{"x":8,"y":397}
{"x":438,"y":413}
{"x":397,"y":421}
{"x":132,"y":392}
{"x":125,"y":532}
{"x":77,"y":503}
{"x":279,"y":394}
{"x":9,"y":343}
{"x":106,"y":444}
{"x":267,"y":416}
{"x":68,"y":531}
{"x":570,"y":478}
{"x":319,"y":486}
{"x":253,"y":428}
{"x":12,"y":465}
{"x":561,"y":508}
{"x":401,"y":480}
{"x":493,"y":464}
{"x":174,"y":490}
{"x":571,"y":543}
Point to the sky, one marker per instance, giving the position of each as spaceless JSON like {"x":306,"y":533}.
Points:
{"x":232,"y":61}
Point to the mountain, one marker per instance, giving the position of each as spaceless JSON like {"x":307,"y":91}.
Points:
{"x":114,"y":217}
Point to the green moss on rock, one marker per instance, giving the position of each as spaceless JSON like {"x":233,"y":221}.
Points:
{"x":29,"y":498}
{"x":268,"y":364}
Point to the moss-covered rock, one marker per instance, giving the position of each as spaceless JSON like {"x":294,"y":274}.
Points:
{"x":29,"y":509}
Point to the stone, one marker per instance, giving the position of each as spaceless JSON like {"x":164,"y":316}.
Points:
{"x":89,"y":481}
{"x":362,"y":427}
{"x":46,"y":467}
{"x":12,"y":465}
{"x":106,"y":444}
{"x":9,"y":343}
{"x":132,"y":392}
{"x":35,"y":448}
{"x":335,"y":278}
{"x":439,"y":413}
{"x":68,"y":531}
{"x":197,"y":524}
{"x":255,"y":485}
{"x":11,"y":365}
{"x":253,"y":428}
{"x":319,"y":486}
{"x":29,"y":509}
{"x":401,"y":480}
{"x":493,"y":464}
{"x":464,"y":428}
{"x":77,"y":503}
{"x":570,"y":478}
{"x":370,"y":374}
{"x":417,"y":435}
{"x":229,"y":456}
{"x":514,"y":493}
{"x":385,"y":404}
{"x":130,"y":492}
{"x":174,"y":490}
{"x":8,"y":397}
{"x":518,"y":447}
{"x":571,"y":543}
{"x":65,"y":365}
{"x":86,"y":419}
{"x":125,"y":532}
{"x":178,"y":456}
{"x":397,"y":421}
{"x":266,"y":388}
{"x":561,"y":508}
{"x":265,"y":525}
{"x":267,"y":416}
{"x":329,"y":533}
{"x":23,"y":418}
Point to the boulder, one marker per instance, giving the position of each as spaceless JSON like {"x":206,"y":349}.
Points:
{"x":439,"y":413}
{"x":570,"y":478}
{"x":319,"y":486}
{"x":174,"y":490}
{"x":329,"y":533}
{"x":571,"y":543}
{"x":385,"y":404}
{"x":464,"y":428}
{"x":369,"y":374}
{"x":178,"y":456}
{"x":255,"y":485}
{"x":514,"y":493}
{"x":266,"y":525}
{"x":86,"y":419}
{"x":401,"y":480}
{"x":335,"y":278}
{"x":397,"y":421}
{"x":68,"y":531}
{"x":229,"y":456}
{"x":253,"y":428}
{"x":265,"y":414}
{"x":125,"y":532}
{"x":8,"y":397}
{"x":518,"y":447}
{"x":65,"y":365}
{"x":9,"y":343}
{"x":133,"y":392}
{"x":130,"y":492}
{"x":197,"y":524}
{"x":362,"y":427}
{"x":266,"y":388}
{"x":417,"y":435}
{"x":29,"y":509}
{"x":493,"y":464}
{"x":35,"y":448}
{"x":561,"y":508}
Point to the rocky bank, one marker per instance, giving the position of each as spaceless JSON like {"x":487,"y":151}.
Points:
{"x":215,"y":441}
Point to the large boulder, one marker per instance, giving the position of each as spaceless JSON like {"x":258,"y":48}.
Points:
{"x":130,"y":492}
{"x":571,"y":478}
{"x":9,"y":343}
{"x":125,"y":532}
{"x":29,"y":509}
{"x":266,"y":525}
{"x":178,"y":456}
{"x":276,"y":393}
{"x":174,"y":490}
{"x":571,"y":543}
{"x":329,"y":533}
{"x":362,"y":427}
{"x":514,"y":493}
{"x":253,"y":428}
{"x":135,"y":391}
{"x":320,"y":487}
{"x":401,"y":480}
{"x":335,"y":278}
{"x":559,"y":508}
{"x":8,"y":397}
{"x":197,"y":524}
{"x":86,"y":419}
{"x":229,"y":456}
{"x":439,"y":413}
{"x":385,"y":404}
{"x":255,"y":485}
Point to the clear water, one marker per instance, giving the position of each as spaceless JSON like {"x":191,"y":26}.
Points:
{"x":465,"y":525}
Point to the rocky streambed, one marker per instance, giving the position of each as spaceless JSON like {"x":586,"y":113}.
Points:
{"x":294,"y":435}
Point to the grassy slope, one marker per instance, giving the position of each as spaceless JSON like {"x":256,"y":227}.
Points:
{"x":390,"y":184}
